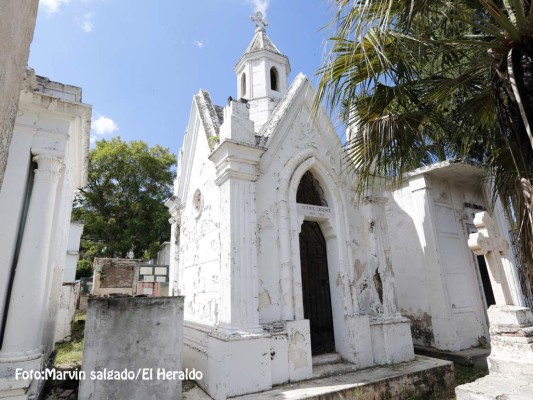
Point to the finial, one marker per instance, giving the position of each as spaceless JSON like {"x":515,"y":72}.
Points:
{"x":260,"y":22}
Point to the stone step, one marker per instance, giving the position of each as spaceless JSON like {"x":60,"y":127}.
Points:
{"x":517,"y":368}
{"x":494,"y":387}
{"x":330,"y":358}
{"x":474,"y":356}
{"x":338,"y":368}
{"x":402,"y":381}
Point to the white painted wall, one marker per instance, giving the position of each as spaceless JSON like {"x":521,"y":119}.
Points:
{"x":52,"y":123}
{"x":437,"y":277}
{"x":199,"y":263}
{"x":17,"y":22}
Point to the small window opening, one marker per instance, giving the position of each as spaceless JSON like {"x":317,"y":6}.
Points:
{"x":243,"y":84}
{"x":274,"y":79}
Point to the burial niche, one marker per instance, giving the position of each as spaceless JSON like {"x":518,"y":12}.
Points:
{"x":314,"y":266}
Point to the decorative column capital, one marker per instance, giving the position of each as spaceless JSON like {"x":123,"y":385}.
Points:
{"x":236,"y":161}
{"x":174,"y":208}
{"x":48,"y":167}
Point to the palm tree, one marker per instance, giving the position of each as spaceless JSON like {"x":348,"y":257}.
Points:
{"x":419,"y":81}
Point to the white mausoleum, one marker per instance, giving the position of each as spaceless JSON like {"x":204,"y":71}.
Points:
{"x":441,"y":286}
{"x":47,"y":162}
{"x":276,"y":260}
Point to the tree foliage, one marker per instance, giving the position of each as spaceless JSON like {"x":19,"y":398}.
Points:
{"x":122,"y":205}
{"x":425,"y":80}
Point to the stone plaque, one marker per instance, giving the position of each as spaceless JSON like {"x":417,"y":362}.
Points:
{"x":117,"y":276}
{"x":160,"y":271}
{"x":314,"y":211}
{"x":146,"y":271}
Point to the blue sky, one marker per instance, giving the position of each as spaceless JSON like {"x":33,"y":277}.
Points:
{"x":139,"y":62}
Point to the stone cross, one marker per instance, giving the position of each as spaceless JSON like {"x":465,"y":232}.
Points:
{"x":260,"y":22}
{"x":488,"y":243}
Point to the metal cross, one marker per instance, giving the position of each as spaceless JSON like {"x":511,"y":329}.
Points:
{"x":260,"y":22}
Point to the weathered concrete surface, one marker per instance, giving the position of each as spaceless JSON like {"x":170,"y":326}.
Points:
{"x":475,"y":356}
{"x":17,"y":22}
{"x":437,"y":278}
{"x":402,"y":381}
{"x":495,"y":388}
{"x":137,"y":334}
{"x":66,"y":310}
{"x":511,"y":358}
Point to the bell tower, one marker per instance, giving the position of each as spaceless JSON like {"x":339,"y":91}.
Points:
{"x":262,"y":74}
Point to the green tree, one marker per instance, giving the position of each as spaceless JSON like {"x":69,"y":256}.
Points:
{"x":123,"y":203}
{"x":425,"y":80}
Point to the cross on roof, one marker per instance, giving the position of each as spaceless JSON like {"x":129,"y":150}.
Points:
{"x":488,"y":243}
{"x":260,"y":22}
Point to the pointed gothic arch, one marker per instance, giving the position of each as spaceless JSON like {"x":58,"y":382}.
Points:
{"x":334,"y":225}
{"x":316,"y":294}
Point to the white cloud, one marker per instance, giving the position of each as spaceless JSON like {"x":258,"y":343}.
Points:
{"x":198,"y":43}
{"x":86,"y":23}
{"x":260,"y":5}
{"x":103,"y":126}
{"x":52,"y":6}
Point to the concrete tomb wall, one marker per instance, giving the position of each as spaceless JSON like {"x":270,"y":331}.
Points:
{"x":133,"y":334}
{"x":153,"y":280}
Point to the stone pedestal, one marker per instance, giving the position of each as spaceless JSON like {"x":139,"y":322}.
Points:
{"x":511,"y":358}
{"x":391,"y":339}
{"x":511,"y":334}
{"x":237,"y":364}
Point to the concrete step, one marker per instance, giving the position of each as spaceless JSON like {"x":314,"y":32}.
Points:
{"x":493,"y":387}
{"x":474,"y":356}
{"x":516,"y":368}
{"x":338,"y":368}
{"x":415,"y":379}
{"x":330,"y":358}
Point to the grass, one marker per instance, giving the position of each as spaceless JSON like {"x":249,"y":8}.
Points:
{"x":463,"y":374}
{"x":69,"y":354}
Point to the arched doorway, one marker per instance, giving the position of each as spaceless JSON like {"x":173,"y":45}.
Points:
{"x":314,"y":267}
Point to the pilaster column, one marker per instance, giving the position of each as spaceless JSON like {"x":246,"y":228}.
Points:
{"x":236,"y":174}
{"x":174,"y":207}
{"x":26,"y":312}
{"x":382,"y":249}
{"x":443,"y":323}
